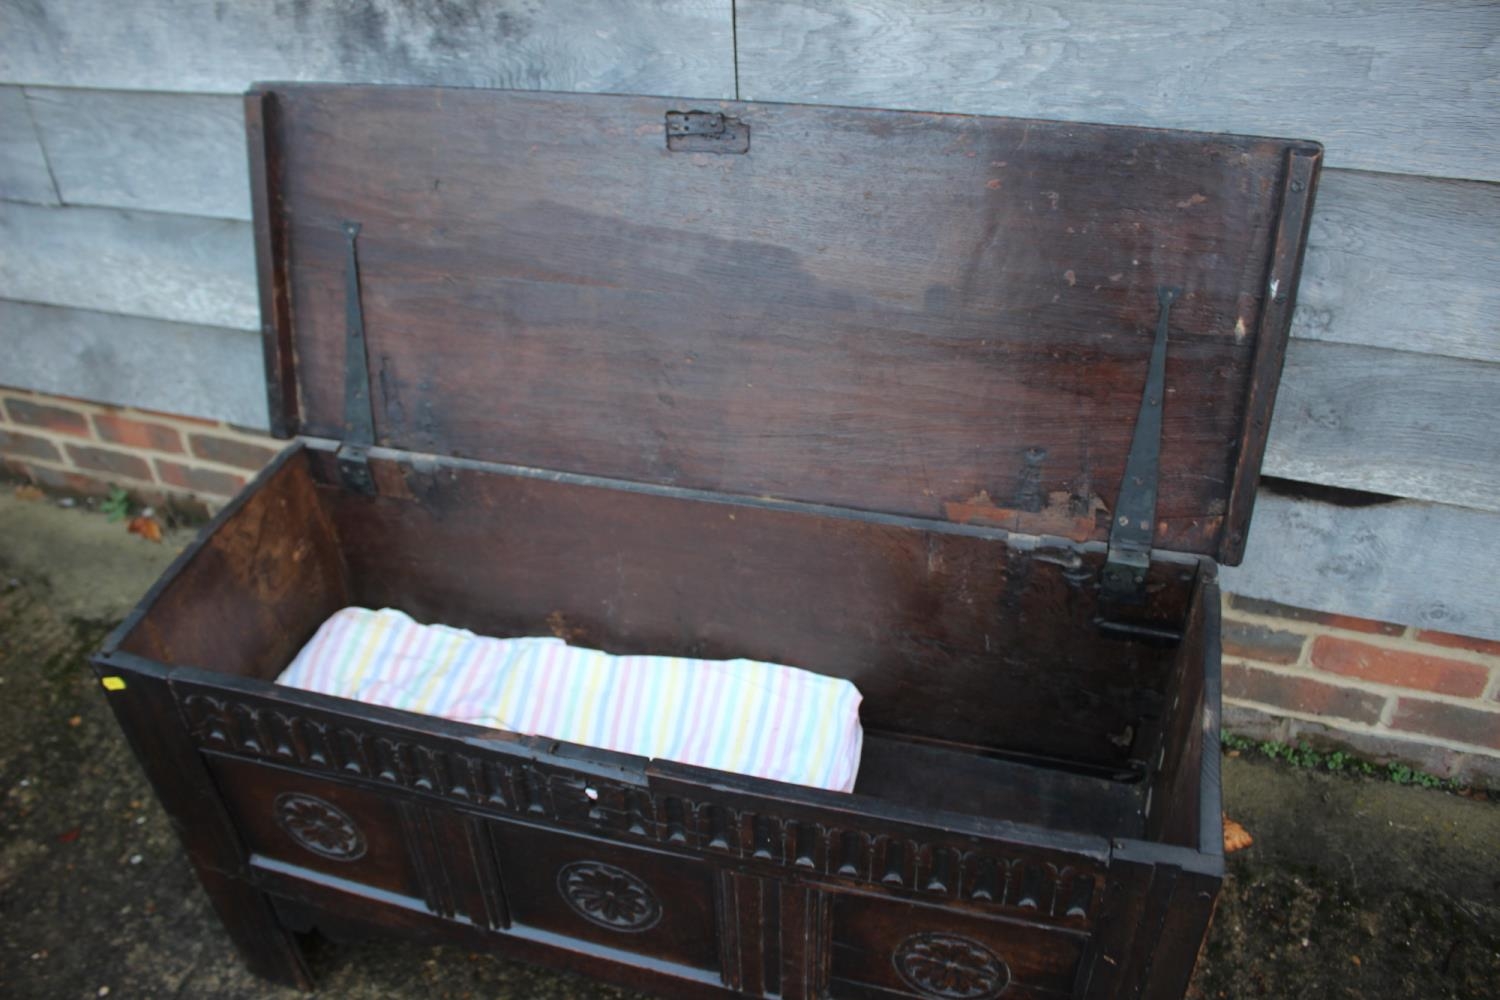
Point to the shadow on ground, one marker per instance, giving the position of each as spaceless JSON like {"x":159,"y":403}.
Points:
{"x":1355,"y":887}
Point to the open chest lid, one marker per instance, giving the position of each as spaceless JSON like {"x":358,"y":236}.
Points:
{"x":938,"y":316}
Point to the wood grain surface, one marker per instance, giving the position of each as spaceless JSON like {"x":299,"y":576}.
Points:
{"x":23,"y":165}
{"x":1411,"y":425}
{"x":182,"y":153}
{"x":174,"y":267}
{"x":1422,"y":564}
{"x":204,"y":371}
{"x":632,"y":46}
{"x":935,"y":315}
{"x":1405,"y":263}
{"x":1384,"y":84}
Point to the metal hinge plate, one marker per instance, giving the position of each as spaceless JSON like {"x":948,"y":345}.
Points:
{"x":1134,"y":525}
{"x":359,"y":413}
{"x":706,"y":132}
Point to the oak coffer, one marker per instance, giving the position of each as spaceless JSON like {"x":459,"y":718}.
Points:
{"x":960,"y":409}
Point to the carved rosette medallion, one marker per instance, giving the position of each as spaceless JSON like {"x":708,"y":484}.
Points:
{"x":950,"y":966}
{"x":608,"y":896}
{"x":319,"y":826}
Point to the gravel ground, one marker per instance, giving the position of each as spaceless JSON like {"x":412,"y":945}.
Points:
{"x":1354,"y":888}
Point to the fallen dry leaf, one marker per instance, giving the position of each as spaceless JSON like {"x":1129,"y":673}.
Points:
{"x":26,"y":491}
{"x":76,"y":720}
{"x":1236,"y":837}
{"x":148,"y":528}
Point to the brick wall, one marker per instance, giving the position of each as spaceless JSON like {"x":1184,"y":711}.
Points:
{"x":1386,"y":692}
{"x":80,"y":447}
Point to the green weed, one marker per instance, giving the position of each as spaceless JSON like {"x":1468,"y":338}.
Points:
{"x":1304,"y":756}
{"x":117,"y":505}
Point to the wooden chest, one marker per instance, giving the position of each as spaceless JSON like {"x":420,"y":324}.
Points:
{"x":961,"y":409}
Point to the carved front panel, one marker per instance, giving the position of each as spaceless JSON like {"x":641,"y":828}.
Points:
{"x":781,"y":839}
{"x":319,"y":826}
{"x":319,"y":830}
{"x":593,"y":891}
{"x":882,"y":947}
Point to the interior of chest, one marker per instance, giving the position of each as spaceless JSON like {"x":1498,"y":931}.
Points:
{"x":993,"y":685}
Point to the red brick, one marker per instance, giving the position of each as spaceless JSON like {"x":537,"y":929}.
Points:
{"x":199,"y":480}
{"x":180,"y":418}
{"x":110,"y":463}
{"x":1257,"y":642}
{"x":231,"y":452}
{"x":75,"y":483}
{"x":1490,"y":646}
{"x":51,"y":418}
{"x":1398,"y":667}
{"x":1478,"y":726}
{"x":1349,"y":623}
{"x":117,"y":429}
{"x":28,"y":446}
{"x":1301,"y":694}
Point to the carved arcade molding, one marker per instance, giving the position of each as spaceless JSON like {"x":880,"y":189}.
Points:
{"x":928,"y":867}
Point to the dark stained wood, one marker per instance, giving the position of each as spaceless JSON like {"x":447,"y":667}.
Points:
{"x":664,"y":905}
{"x":267,"y":947}
{"x":138,"y":692}
{"x":778,"y":404}
{"x":256,"y":794}
{"x":871,"y":931}
{"x":947,"y":635}
{"x":1017,"y":789}
{"x":937,"y":315}
{"x":476,"y":828}
{"x":341,"y":915}
{"x":261,"y":131}
{"x":1288,"y":247}
{"x":1177,"y":767}
{"x":255,"y":586}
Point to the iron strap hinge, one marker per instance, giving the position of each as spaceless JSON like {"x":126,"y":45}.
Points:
{"x":1134,"y":525}
{"x":359,"y":415}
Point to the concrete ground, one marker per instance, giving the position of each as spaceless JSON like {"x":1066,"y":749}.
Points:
{"x":1354,"y":888}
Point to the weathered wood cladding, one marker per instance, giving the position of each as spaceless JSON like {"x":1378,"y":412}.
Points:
{"x":1364,"y":78}
{"x":634,"y":46}
{"x":132,"y":361}
{"x":111,"y":262}
{"x":1396,"y":261}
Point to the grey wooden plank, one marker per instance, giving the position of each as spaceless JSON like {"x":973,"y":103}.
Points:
{"x":23,"y":168}
{"x":1391,"y":85}
{"x":174,"y":367}
{"x":160,"y":152}
{"x":1408,"y":263}
{"x":1394,"y":261}
{"x":634,"y":46}
{"x":174,"y":267}
{"x":1415,"y":563}
{"x":1411,"y":425}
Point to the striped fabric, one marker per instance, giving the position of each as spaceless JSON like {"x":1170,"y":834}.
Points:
{"x":743,"y":716}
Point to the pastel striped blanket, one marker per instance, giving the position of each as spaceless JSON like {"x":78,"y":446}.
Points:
{"x":744,"y":716}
